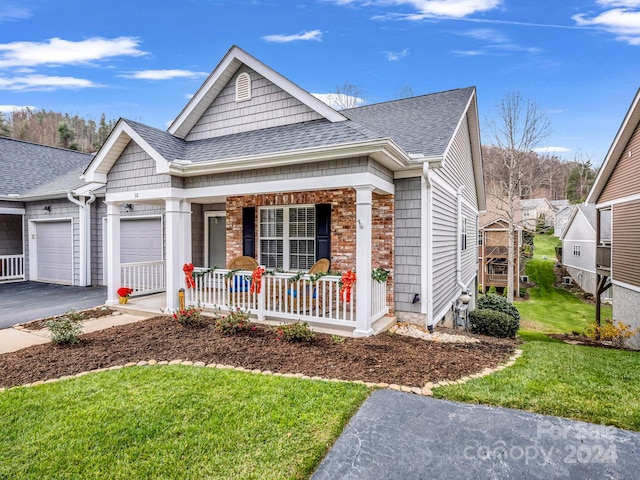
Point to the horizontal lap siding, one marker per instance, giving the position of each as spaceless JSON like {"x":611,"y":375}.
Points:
{"x":624,"y":179}
{"x":626,"y":232}
{"x":408,"y":244}
{"x":470,"y":255}
{"x":458,"y":168}
{"x":445,"y":234}
{"x":269,"y":106}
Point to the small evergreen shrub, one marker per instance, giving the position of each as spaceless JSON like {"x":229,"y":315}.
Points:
{"x":493,"y":323}
{"x":492,"y":290}
{"x":66,"y":328}
{"x":234,"y":322}
{"x":499,"y":304}
{"x":294,"y":332}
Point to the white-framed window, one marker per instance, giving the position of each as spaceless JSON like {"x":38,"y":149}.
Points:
{"x":480,"y":239}
{"x":526,"y":213}
{"x":576,"y":250}
{"x":287,"y":237}
{"x":463,"y":235}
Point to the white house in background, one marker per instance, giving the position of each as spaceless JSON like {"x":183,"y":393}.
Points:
{"x":561,"y":218}
{"x":579,"y":246}
{"x":256,"y":166}
{"x":535,"y":208}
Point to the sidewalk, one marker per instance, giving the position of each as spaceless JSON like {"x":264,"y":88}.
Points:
{"x":16,"y":338}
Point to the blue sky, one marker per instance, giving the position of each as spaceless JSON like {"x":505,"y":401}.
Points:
{"x":143,"y":59}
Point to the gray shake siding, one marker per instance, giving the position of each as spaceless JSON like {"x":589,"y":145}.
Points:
{"x":98,"y":213}
{"x":197,"y":229}
{"x":135,"y":170}
{"x":408,"y":248}
{"x":11,"y":234}
{"x":292,"y":172}
{"x":60,"y":209}
{"x":270,"y":106}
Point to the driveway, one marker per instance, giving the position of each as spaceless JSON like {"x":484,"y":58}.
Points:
{"x":403,"y":436}
{"x":25,"y":301}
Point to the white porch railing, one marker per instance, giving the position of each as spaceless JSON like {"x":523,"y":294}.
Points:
{"x":11,"y":267}
{"x":283,"y":296}
{"x":143,"y":277}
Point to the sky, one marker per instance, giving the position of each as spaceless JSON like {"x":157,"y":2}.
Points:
{"x":142,"y":60}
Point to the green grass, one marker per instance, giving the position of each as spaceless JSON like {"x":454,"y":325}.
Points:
{"x":172,"y":422}
{"x":545,"y":246}
{"x":584,"y":383}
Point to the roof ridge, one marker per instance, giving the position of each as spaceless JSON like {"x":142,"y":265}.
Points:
{"x":69,"y":150}
{"x":414,"y":97}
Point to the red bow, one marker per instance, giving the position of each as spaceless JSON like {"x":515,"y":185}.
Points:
{"x":256,"y":280}
{"x":347,"y":280}
{"x":188,"y":272}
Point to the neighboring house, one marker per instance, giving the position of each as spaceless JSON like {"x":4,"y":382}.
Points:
{"x":493,"y":258}
{"x":559,"y":204}
{"x":579,"y":246}
{"x":44,"y":223}
{"x":254,"y":165}
{"x":561,"y":218}
{"x":616,"y":195}
{"x":534,"y":209}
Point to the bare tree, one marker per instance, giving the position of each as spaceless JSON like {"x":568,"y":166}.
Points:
{"x":405,"y":92}
{"x":346,"y":96}
{"x":520,"y":125}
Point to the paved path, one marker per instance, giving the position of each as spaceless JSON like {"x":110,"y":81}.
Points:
{"x":403,"y":436}
{"x":22,"y":302}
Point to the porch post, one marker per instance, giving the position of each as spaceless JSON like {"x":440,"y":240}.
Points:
{"x":178,"y":247}
{"x":363,"y":260}
{"x":113,"y":252}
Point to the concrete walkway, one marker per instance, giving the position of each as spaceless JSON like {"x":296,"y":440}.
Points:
{"x":13,"y":339}
{"x":402,"y":436}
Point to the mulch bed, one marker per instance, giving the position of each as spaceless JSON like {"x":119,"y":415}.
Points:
{"x":89,"y":313}
{"x":382,"y":358}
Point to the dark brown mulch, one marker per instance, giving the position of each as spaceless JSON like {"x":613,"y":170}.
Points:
{"x":588,"y":341}
{"x":89,"y":313}
{"x":382,"y":358}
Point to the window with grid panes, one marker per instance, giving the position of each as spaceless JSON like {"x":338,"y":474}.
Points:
{"x":287,"y":237}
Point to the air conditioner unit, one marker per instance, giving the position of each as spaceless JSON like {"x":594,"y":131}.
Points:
{"x":524,"y":278}
{"x":567,"y":281}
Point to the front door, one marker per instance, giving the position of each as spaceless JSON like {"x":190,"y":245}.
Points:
{"x":216,"y":254}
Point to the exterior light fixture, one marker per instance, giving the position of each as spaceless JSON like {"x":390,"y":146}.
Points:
{"x":128,"y":207}
{"x":47,"y":209}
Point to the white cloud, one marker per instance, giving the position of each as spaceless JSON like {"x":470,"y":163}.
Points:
{"x":339,"y":100}
{"x":43,"y":82}
{"x":310,"y":35}
{"x":11,"y":108}
{"x":622,"y":22}
{"x":552,"y":150}
{"x":496,"y":44}
{"x":10,"y":12}
{"x":395,"y":56}
{"x":487,"y":35}
{"x":64,"y":52}
{"x":163,"y":74}
{"x":433,"y":8}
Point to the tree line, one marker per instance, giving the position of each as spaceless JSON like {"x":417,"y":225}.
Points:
{"x":56,"y":129}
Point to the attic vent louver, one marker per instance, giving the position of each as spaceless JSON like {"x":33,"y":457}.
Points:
{"x":243,"y":87}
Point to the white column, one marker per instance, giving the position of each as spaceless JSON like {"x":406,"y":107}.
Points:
{"x":186,"y":227}
{"x":178,"y":246}
{"x":113,"y":252}
{"x":363,"y":260}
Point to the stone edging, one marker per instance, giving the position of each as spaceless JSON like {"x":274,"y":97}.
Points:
{"x":427,"y":390}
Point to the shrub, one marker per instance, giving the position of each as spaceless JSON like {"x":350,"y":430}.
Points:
{"x":616,"y":332}
{"x":189,"y":317}
{"x":499,"y":304}
{"x":234,"y":322}
{"x":66,"y":328}
{"x":493,"y":323}
{"x":492,"y":290}
{"x":294,"y":332}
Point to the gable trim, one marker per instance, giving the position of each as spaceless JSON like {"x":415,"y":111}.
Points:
{"x":118,"y":140}
{"x":213,"y":85}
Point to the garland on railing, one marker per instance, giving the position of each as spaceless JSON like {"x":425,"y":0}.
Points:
{"x":256,"y":280}
{"x":380,"y":274}
{"x":346,"y":283}
{"x":204,"y":271}
{"x":188,"y":272}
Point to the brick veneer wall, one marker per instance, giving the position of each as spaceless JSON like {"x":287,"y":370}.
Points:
{"x":343,"y":220}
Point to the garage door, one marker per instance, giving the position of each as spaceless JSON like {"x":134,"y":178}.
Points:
{"x":54,"y":248}
{"x":140,"y":240}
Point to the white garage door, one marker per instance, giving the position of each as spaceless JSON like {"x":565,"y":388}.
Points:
{"x":140,"y":240}
{"x":54,"y":247}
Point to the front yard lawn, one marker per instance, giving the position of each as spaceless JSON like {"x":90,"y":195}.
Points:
{"x":596,"y":385}
{"x":173,"y":422}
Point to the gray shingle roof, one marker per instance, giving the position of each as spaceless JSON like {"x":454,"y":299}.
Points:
{"x":422,"y":125}
{"x":30,"y":169}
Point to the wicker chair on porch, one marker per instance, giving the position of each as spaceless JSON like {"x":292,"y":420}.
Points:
{"x":321,"y":266}
{"x":237,"y":284}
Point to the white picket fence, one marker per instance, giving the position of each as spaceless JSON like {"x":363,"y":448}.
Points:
{"x":143,"y":277}
{"x":285,"y":296}
{"x":11,"y":268}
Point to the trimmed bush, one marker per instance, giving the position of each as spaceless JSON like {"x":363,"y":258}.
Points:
{"x":293,"y":332}
{"x":493,"y":323}
{"x":499,"y":304}
{"x":66,"y":328}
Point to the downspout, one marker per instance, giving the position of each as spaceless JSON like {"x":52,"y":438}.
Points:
{"x":85,"y":240}
{"x":459,"y":242}
{"x":426,"y":290}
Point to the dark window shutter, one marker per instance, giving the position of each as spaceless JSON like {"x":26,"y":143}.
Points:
{"x":323,"y":231}
{"x":249,"y":231}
